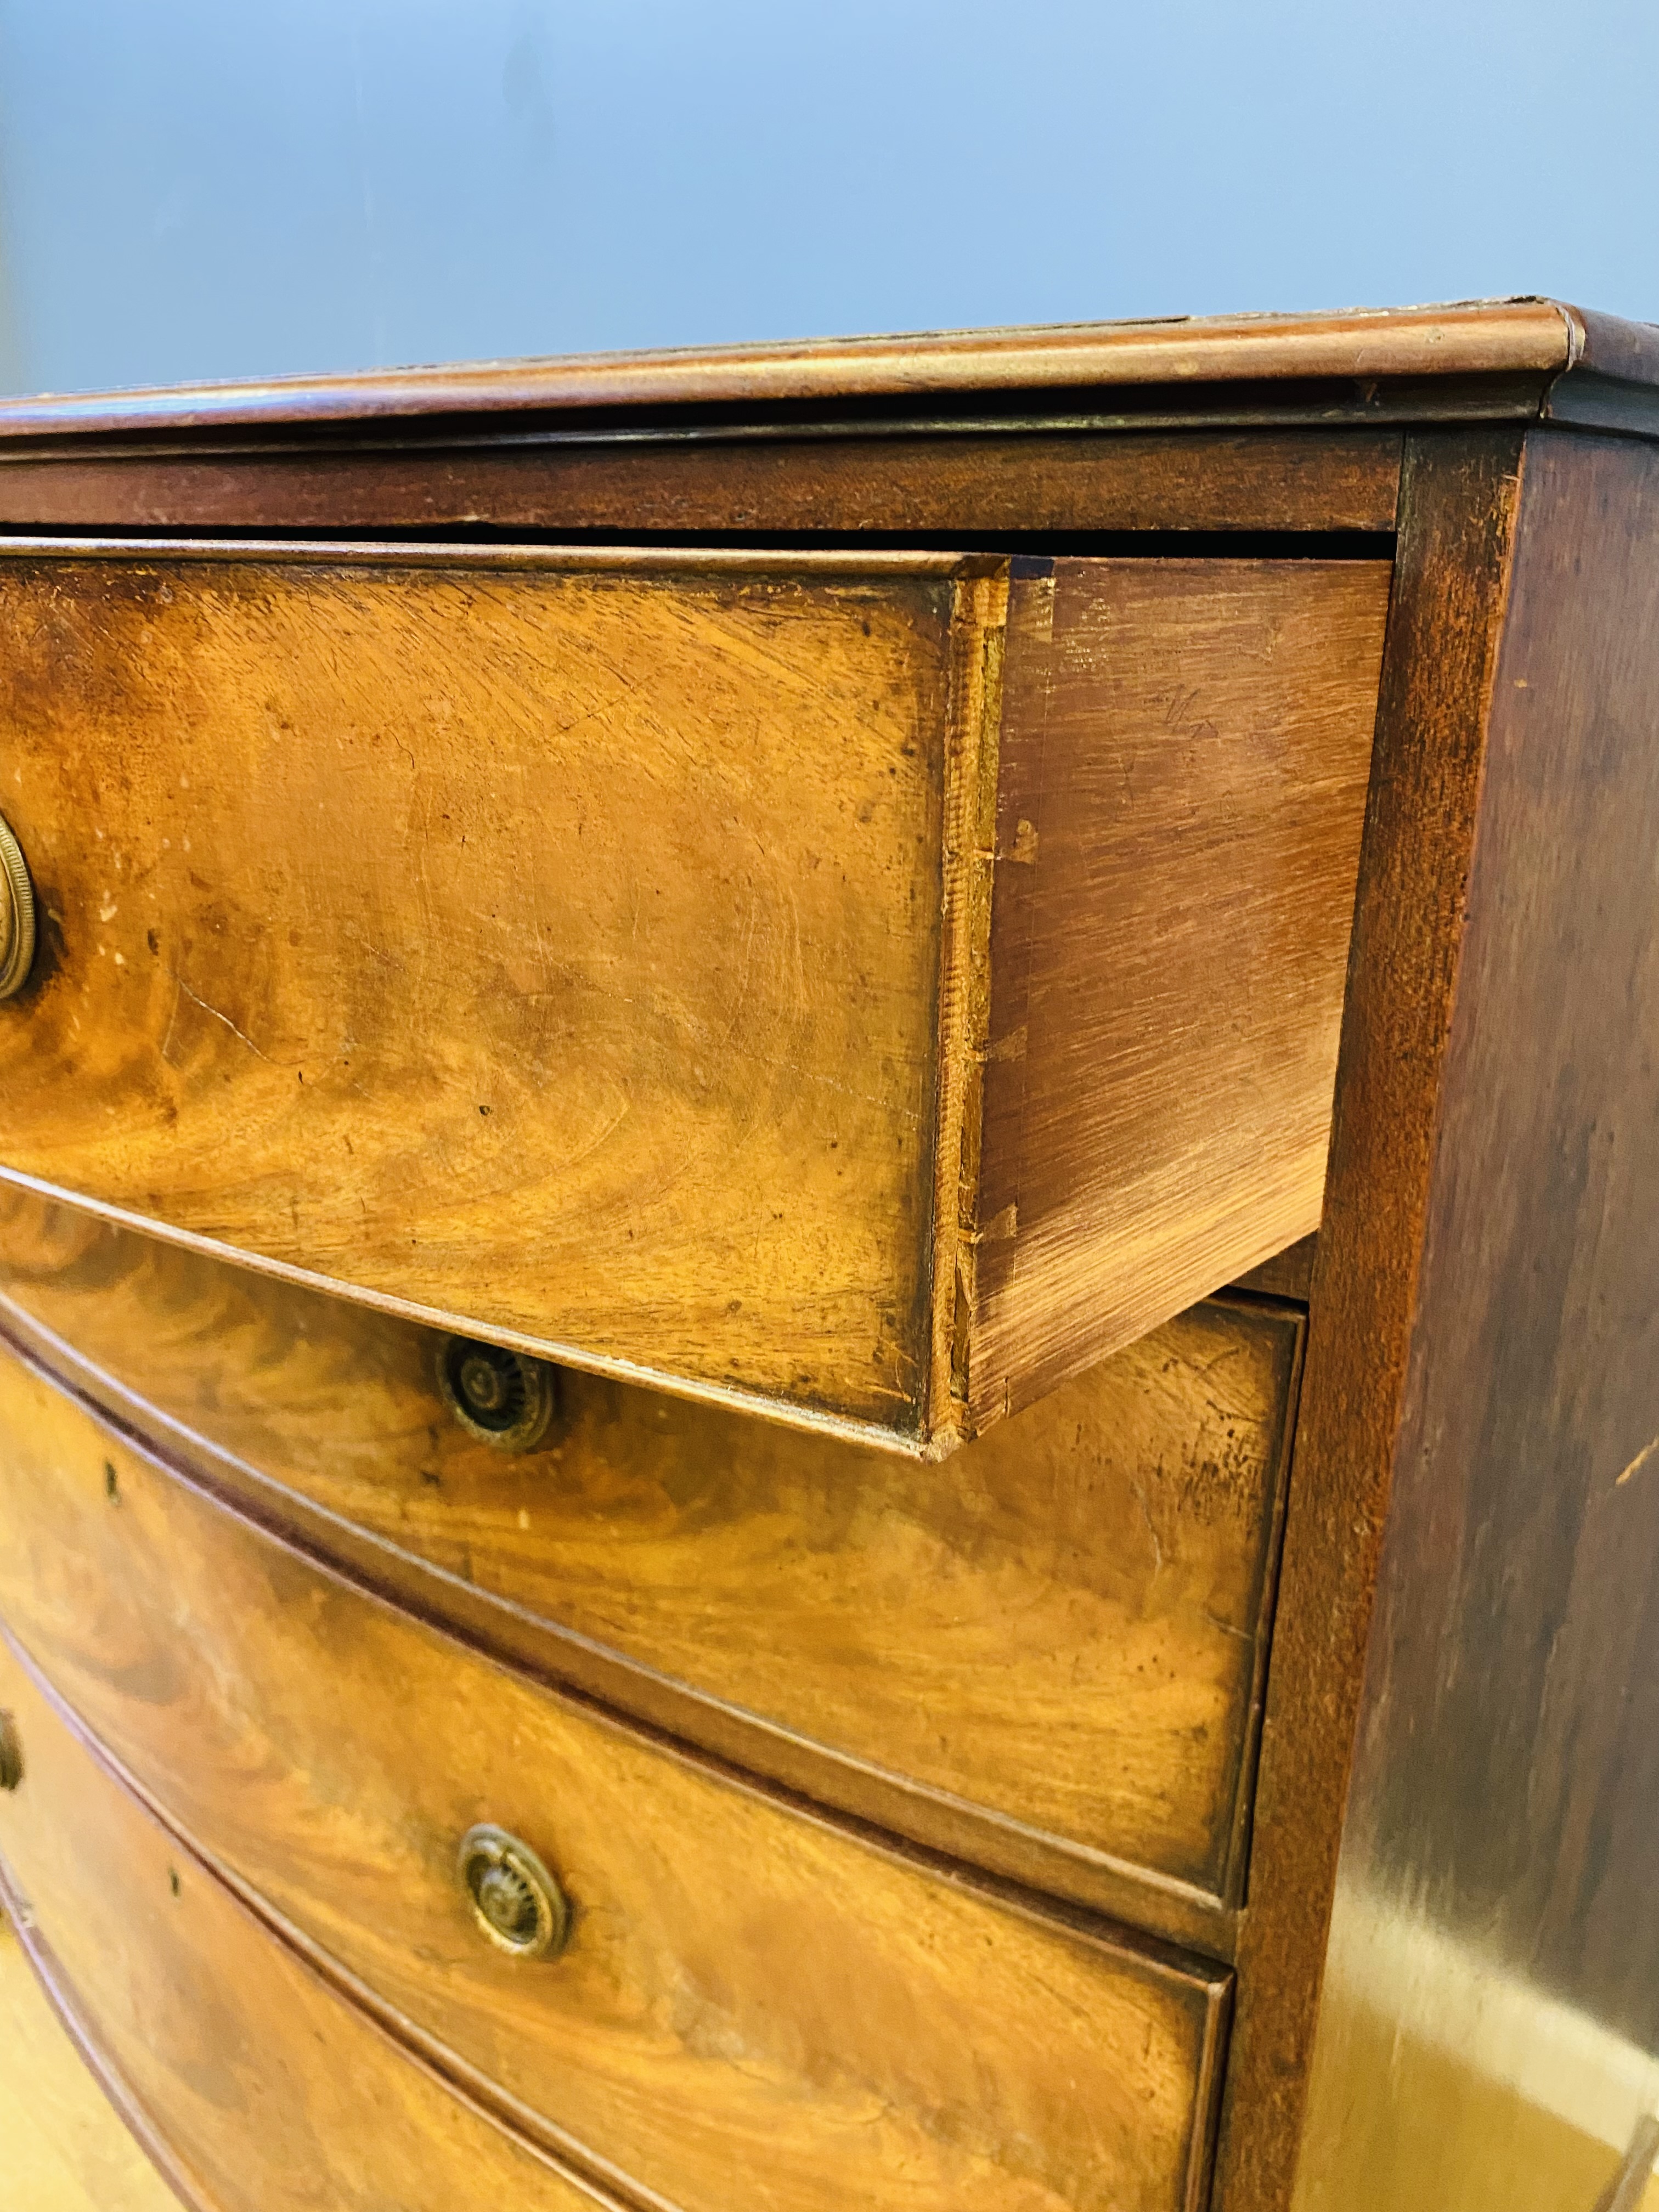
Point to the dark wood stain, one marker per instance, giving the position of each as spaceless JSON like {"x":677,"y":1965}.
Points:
{"x":1457,"y":503}
{"x":1525,"y":343}
{"x":846,"y":487}
{"x":869,"y":1819}
{"x":1505,"y":1791}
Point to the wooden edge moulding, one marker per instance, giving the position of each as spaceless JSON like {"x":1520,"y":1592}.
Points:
{"x":1513,"y":338}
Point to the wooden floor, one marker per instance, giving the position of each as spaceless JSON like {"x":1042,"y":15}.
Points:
{"x":64,"y":2148}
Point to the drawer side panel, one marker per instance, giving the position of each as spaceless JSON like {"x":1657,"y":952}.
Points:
{"x":1184,"y":764}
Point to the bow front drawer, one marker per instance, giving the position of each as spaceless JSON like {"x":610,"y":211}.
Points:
{"x":666,"y":1975}
{"x":1047,"y":1655}
{"x":253,"y":2085}
{"x":866,"y":986}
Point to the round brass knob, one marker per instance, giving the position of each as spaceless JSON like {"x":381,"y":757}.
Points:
{"x":515,"y":1901}
{"x":500,"y":1397}
{"x":11,"y":1754}
{"x":16,"y":914}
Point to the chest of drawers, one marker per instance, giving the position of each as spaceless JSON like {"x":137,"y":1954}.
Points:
{"x":827,"y":1258}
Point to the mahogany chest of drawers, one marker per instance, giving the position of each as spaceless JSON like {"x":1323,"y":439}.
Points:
{"x":828,"y":1261}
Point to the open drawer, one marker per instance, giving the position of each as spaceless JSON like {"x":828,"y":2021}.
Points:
{"x":865,"y":988}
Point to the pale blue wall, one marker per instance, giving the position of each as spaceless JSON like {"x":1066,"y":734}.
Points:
{"x":204,"y":188}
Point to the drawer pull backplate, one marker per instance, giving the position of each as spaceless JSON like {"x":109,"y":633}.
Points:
{"x":16,"y":914}
{"x":11,"y":1754}
{"x":516,"y":1902}
{"x":500,"y":1397}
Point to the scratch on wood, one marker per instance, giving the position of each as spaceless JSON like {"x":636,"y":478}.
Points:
{"x":1640,"y":1461}
{"x":1227,"y":1628}
{"x":217,"y":1016}
{"x":1140,"y":1497}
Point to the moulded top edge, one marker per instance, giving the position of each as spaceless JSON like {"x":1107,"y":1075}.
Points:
{"x":1470,"y":339}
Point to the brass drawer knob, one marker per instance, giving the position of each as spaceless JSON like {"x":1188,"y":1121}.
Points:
{"x":500,"y":1397}
{"x":16,"y":914}
{"x":516,"y":1902}
{"x":11,"y":1754}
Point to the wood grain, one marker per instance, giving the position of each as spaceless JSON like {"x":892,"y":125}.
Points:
{"x":267,"y":2091}
{"x":846,"y":487}
{"x":615,"y":956}
{"x":1458,"y":499}
{"x":1063,"y":1635}
{"x":1181,"y":785}
{"x":1504,"y":1796}
{"x":747,"y":1988}
{"x":65,"y":2148}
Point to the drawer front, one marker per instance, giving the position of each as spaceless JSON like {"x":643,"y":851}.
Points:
{"x":258,"y":2087}
{"x":1046,"y":1653}
{"x":746,"y":1988}
{"x":869,"y":987}
{"x":559,"y":947}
